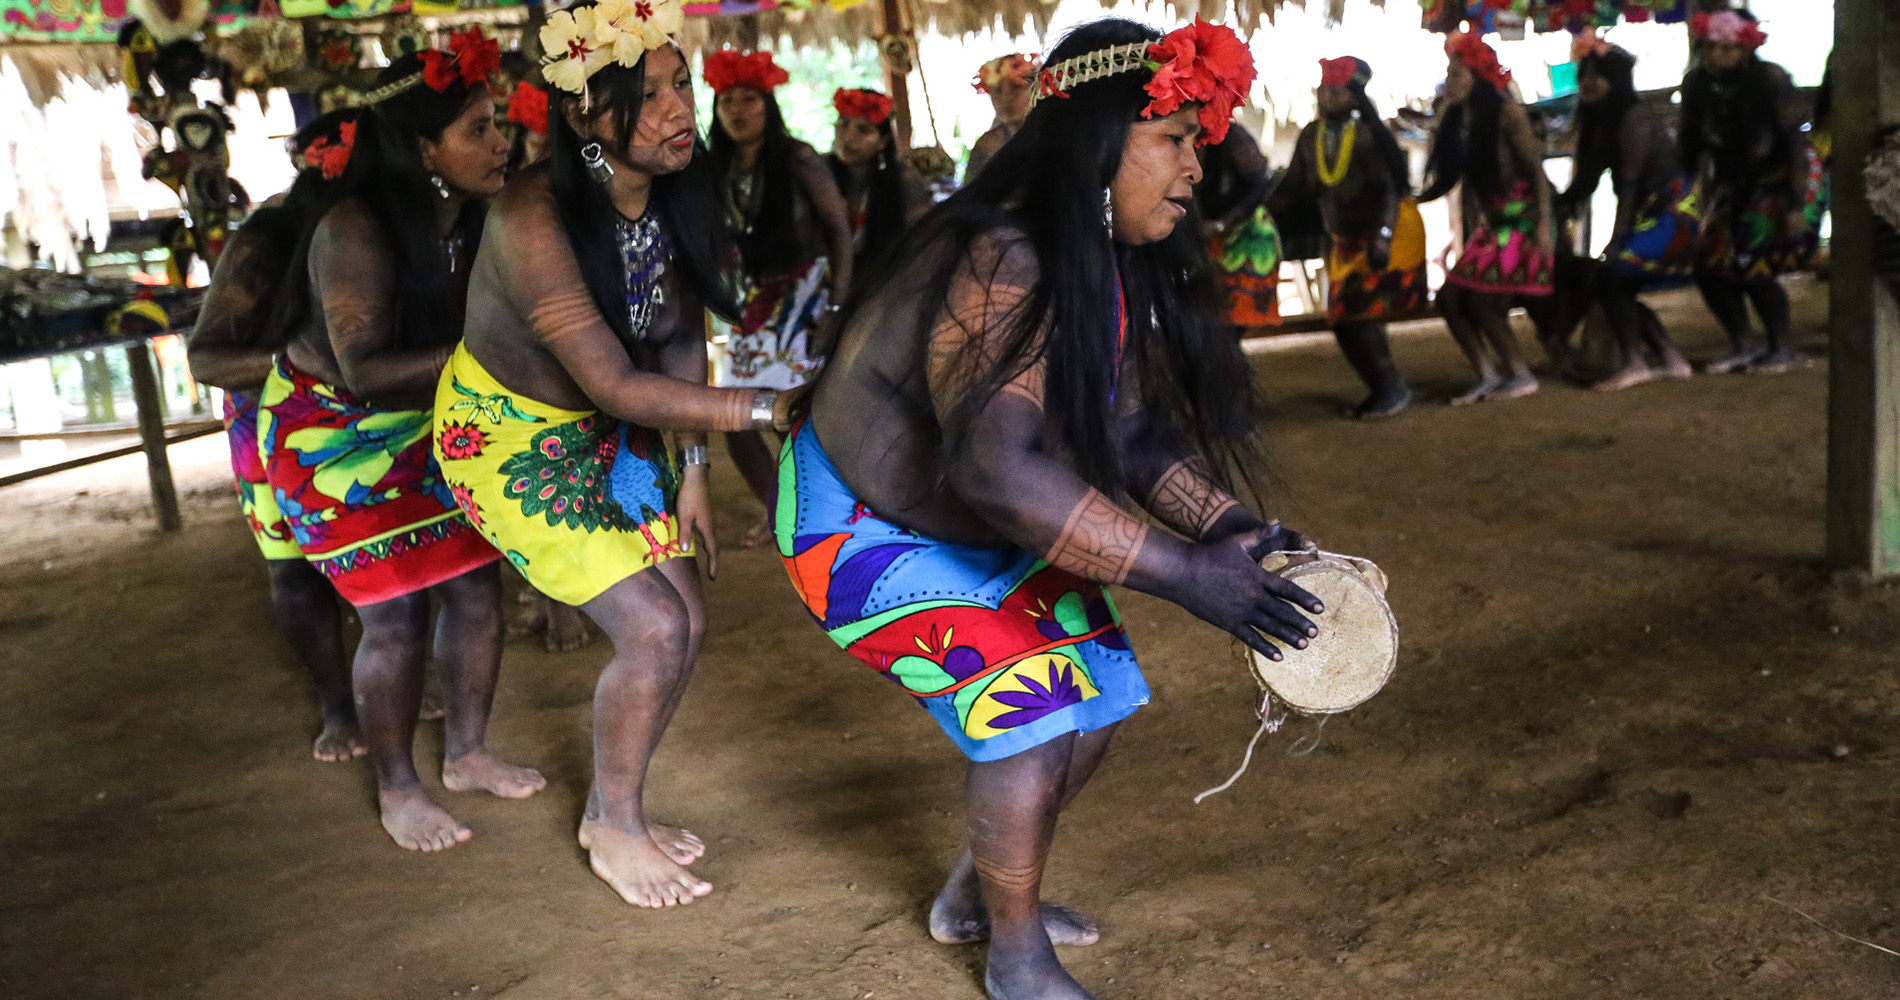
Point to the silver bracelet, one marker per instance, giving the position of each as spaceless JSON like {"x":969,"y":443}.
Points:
{"x":762,"y":404}
{"x":693,"y":454}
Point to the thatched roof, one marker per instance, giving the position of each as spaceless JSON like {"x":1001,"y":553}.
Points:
{"x":821,"y":25}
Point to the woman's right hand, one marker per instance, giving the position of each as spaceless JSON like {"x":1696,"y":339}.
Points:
{"x":1225,"y":587}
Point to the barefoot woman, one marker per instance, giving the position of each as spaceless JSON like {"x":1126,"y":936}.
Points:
{"x":372,"y":307}
{"x":1041,"y":353}
{"x":230,"y":348}
{"x":1487,"y":143}
{"x":583,"y":343}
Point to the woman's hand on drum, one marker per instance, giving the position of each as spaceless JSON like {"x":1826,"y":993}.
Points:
{"x":1224,"y":586}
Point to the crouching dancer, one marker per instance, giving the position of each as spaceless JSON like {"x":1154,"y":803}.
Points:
{"x":1042,"y":346}
{"x":583,"y":343}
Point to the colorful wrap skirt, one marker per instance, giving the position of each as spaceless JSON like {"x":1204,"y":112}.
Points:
{"x":1664,"y":240}
{"x":1745,"y":232}
{"x":253,"y":487}
{"x":577,"y":500}
{"x":1501,"y":255}
{"x":1005,"y":651}
{"x":770,"y":349}
{"x":361,"y":493}
{"x":1249,"y":263}
{"x":1357,"y":293}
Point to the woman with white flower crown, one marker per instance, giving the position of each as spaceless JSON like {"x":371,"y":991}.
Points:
{"x":583,"y":345}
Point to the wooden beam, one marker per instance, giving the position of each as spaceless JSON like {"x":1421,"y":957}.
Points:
{"x":1863,"y":476}
{"x":152,"y":432}
{"x":890,"y":20}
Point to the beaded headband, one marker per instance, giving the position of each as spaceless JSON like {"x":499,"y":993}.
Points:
{"x":1199,"y":63}
{"x":470,"y":57}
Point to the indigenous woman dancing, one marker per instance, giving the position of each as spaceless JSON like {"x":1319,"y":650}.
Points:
{"x":584,"y":342}
{"x":231,"y":348}
{"x":373,"y":306}
{"x":1486,"y":141}
{"x":882,"y":194}
{"x":1656,"y":209}
{"x":1741,"y":133}
{"x":1008,"y":80}
{"x":1241,"y":238}
{"x":1040,"y":353}
{"x":1349,"y":162}
{"x":794,"y":247}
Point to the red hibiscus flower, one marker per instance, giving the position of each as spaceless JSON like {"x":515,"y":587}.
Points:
{"x":1205,"y":64}
{"x":471,"y":56}
{"x":729,"y":68}
{"x":869,"y":105}
{"x":529,"y":106}
{"x":331,"y":157}
{"x":1479,"y":58}
{"x":460,"y":441}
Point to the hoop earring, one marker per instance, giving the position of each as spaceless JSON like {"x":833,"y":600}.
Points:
{"x":596,"y":163}
{"x":441,"y":186}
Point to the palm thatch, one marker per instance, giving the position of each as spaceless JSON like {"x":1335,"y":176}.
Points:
{"x":822,"y":25}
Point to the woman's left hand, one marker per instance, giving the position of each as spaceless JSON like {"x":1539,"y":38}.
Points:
{"x":695,"y":514}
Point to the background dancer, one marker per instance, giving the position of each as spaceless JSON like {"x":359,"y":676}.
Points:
{"x":230,"y":347}
{"x":373,"y":305}
{"x":1656,"y":210}
{"x":1041,"y":349}
{"x":585,"y":341}
{"x":1350,"y":164}
{"x":794,"y":258}
{"x":1008,"y":80}
{"x":1242,"y":240}
{"x":1741,"y":133}
{"x":883,"y":195}
{"x":1487,"y":143}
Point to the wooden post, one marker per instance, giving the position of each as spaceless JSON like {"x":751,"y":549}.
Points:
{"x":138,"y":357}
{"x":890,"y":21}
{"x":1863,"y":473}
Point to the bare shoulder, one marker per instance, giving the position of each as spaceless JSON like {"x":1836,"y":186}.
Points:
{"x":1003,"y":255}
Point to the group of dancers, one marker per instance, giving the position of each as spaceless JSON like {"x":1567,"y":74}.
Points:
{"x":1732,"y":203}
{"x":991,"y":408}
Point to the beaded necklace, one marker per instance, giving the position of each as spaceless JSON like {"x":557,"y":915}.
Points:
{"x":1331,"y":176}
{"x":643,"y":252}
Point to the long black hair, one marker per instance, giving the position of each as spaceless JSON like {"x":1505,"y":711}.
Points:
{"x":1047,"y":184}
{"x":1724,"y":116}
{"x":1390,"y":154}
{"x":1600,"y":125}
{"x":685,"y":203}
{"x":272,"y":231}
{"x":884,"y":208}
{"x":1465,"y":146}
{"x":769,"y":243}
{"x":386,"y":176}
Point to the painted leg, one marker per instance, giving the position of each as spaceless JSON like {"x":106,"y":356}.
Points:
{"x":305,"y":607}
{"x":1492,"y":313}
{"x":468,"y":651}
{"x":1370,"y":354}
{"x":1728,"y":303}
{"x":388,"y":686}
{"x":1625,"y":314}
{"x":1771,"y":304}
{"x":1454,"y":303}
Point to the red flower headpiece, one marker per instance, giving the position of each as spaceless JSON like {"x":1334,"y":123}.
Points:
{"x":1479,"y":58}
{"x":528,"y":105}
{"x":1200,"y":63}
{"x":1342,"y":72}
{"x":331,"y":157}
{"x":869,"y":105}
{"x":729,"y":68}
{"x":1018,"y":66}
{"x":470,"y":58}
{"x":1727,"y":27}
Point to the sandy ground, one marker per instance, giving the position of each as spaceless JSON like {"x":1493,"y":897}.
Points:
{"x":1633,"y":711}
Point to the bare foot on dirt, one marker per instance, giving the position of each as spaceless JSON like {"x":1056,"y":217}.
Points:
{"x":1628,"y":378}
{"x":637,"y":869}
{"x":1780,"y":361}
{"x":1733,"y":363}
{"x":759,"y":535}
{"x":1675,"y":367}
{"x":340,"y":740}
{"x":533,"y":617}
{"x":677,"y":843}
{"x":417,"y":824}
{"x":567,"y":628}
{"x":1383,"y":406}
{"x":481,"y":771}
{"x":951,"y":925}
{"x":1480,"y":392}
{"x":431,"y":709}
{"x":1040,"y":978}
{"x":1517,"y":388}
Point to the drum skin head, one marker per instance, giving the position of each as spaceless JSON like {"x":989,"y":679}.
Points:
{"x":1357,"y":647}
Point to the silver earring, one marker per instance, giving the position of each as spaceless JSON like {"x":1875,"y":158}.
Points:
{"x":441,"y":186}
{"x":596,"y":163}
{"x":1108,"y":208}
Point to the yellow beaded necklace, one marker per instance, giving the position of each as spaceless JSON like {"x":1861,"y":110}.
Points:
{"x":1337,"y":172}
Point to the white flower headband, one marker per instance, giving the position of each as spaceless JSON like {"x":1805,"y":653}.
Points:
{"x":580,"y":42}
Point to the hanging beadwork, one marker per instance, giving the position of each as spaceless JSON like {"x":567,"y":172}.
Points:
{"x":643,"y":251}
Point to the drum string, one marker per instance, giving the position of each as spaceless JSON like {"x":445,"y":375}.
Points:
{"x":1269,"y":723}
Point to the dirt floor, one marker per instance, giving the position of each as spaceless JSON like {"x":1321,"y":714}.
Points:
{"x":1635,"y":725}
